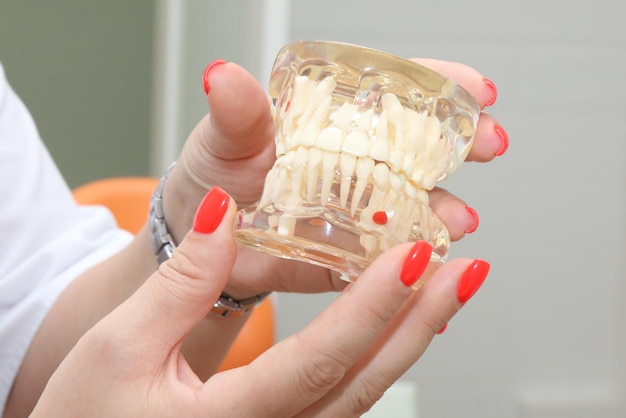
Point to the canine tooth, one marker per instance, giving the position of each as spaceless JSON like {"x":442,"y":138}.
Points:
{"x":381,"y":126}
{"x":329,"y":167}
{"x":347,"y":163}
{"x":344,"y":115}
{"x":364,"y":168}
{"x":381,"y":176}
{"x":315,"y":159}
{"x":356,"y":143}
{"x":379,"y":149}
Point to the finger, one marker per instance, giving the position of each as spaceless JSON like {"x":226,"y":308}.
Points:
{"x":181,"y":293}
{"x":405,"y":340}
{"x":483,"y":89}
{"x":303,"y":367}
{"x":236,"y":140}
{"x":490,"y":141}
{"x":458,"y":217}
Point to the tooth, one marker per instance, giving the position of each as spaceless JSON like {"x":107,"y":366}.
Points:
{"x":317,"y":104}
{"x":364,"y":168}
{"x":364,"y":120}
{"x":344,"y":115}
{"x":356,"y":143}
{"x":396,"y":159}
{"x":320,"y":114}
{"x":368,"y":242}
{"x":329,"y":168}
{"x":381,"y":126}
{"x":347,"y":163}
{"x":390,"y":101}
{"x":379,"y":150}
{"x":298,"y":171}
{"x":309,"y":135}
{"x":396,"y":181}
{"x":330,"y":139}
{"x":381,"y":185}
{"x":410,"y":121}
{"x":292,"y":141}
{"x":303,"y":87}
{"x":315,"y":159}
{"x":432,"y":132}
{"x":286,"y":225}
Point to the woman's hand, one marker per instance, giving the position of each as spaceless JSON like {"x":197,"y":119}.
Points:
{"x":130,"y":363}
{"x":233,"y":147}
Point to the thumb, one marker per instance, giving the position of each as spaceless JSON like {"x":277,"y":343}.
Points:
{"x":183,"y":290}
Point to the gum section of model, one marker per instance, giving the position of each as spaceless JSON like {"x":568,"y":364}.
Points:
{"x":357,"y":151}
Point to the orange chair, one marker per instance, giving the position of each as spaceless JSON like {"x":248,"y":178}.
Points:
{"x":128,"y":198}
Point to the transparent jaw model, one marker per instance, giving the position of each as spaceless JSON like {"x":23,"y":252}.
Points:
{"x":361,"y":137}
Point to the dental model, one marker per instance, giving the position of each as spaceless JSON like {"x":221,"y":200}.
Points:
{"x":354,"y":166}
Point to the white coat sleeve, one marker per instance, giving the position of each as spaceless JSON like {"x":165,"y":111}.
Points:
{"x":46,"y":240}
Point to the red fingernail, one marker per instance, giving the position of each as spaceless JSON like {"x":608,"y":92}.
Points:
{"x":474,"y":225}
{"x":205,"y":75}
{"x":471,"y":280}
{"x":494,"y":92}
{"x":415,"y":263}
{"x":443,"y":329}
{"x":211,"y":211}
{"x":504,"y":139}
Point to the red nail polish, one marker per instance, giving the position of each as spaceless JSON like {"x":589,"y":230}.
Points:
{"x":443,"y":329}
{"x":211,"y":211}
{"x":471,"y":280}
{"x":205,"y":75}
{"x":494,"y":92}
{"x":416,"y":262}
{"x":474,"y":225}
{"x":504,"y":139}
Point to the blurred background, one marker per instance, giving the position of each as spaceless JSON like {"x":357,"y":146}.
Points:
{"x":115,"y":88}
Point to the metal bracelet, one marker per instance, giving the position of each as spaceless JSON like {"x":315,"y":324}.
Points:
{"x":163,"y":246}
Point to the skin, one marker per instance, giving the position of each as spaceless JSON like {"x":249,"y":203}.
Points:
{"x":149,"y":346}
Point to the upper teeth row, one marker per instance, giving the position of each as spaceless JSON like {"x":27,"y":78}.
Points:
{"x":409,"y":142}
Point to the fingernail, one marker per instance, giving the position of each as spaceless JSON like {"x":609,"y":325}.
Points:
{"x":415,"y":263}
{"x":443,"y":329}
{"x":211,"y":211}
{"x":205,"y":75}
{"x":504,"y":139}
{"x":494,"y":92}
{"x":475,"y":222}
{"x":471,"y":280}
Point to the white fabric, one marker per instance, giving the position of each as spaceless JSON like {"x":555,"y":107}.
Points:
{"x":46,"y":240}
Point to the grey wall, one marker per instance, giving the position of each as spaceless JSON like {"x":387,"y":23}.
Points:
{"x":84,"y":70}
{"x":545,"y":337}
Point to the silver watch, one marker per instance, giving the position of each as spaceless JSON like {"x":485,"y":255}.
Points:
{"x":163,"y":247}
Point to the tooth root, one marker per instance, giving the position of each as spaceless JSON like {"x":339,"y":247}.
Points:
{"x":364,"y":168}
{"x":347,"y":163}
{"x":329,"y":168}
{"x":356,"y":143}
{"x":321,"y":112}
{"x":286,"y":225}
{"x":309,"y":134}
{"x":390,"y":101}
{"x":380,"y":176}
{"x":315,"y":159}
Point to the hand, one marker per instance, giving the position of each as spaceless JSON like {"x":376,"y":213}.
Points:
{"x":130,"y":363}
{"x":233,"y":147}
